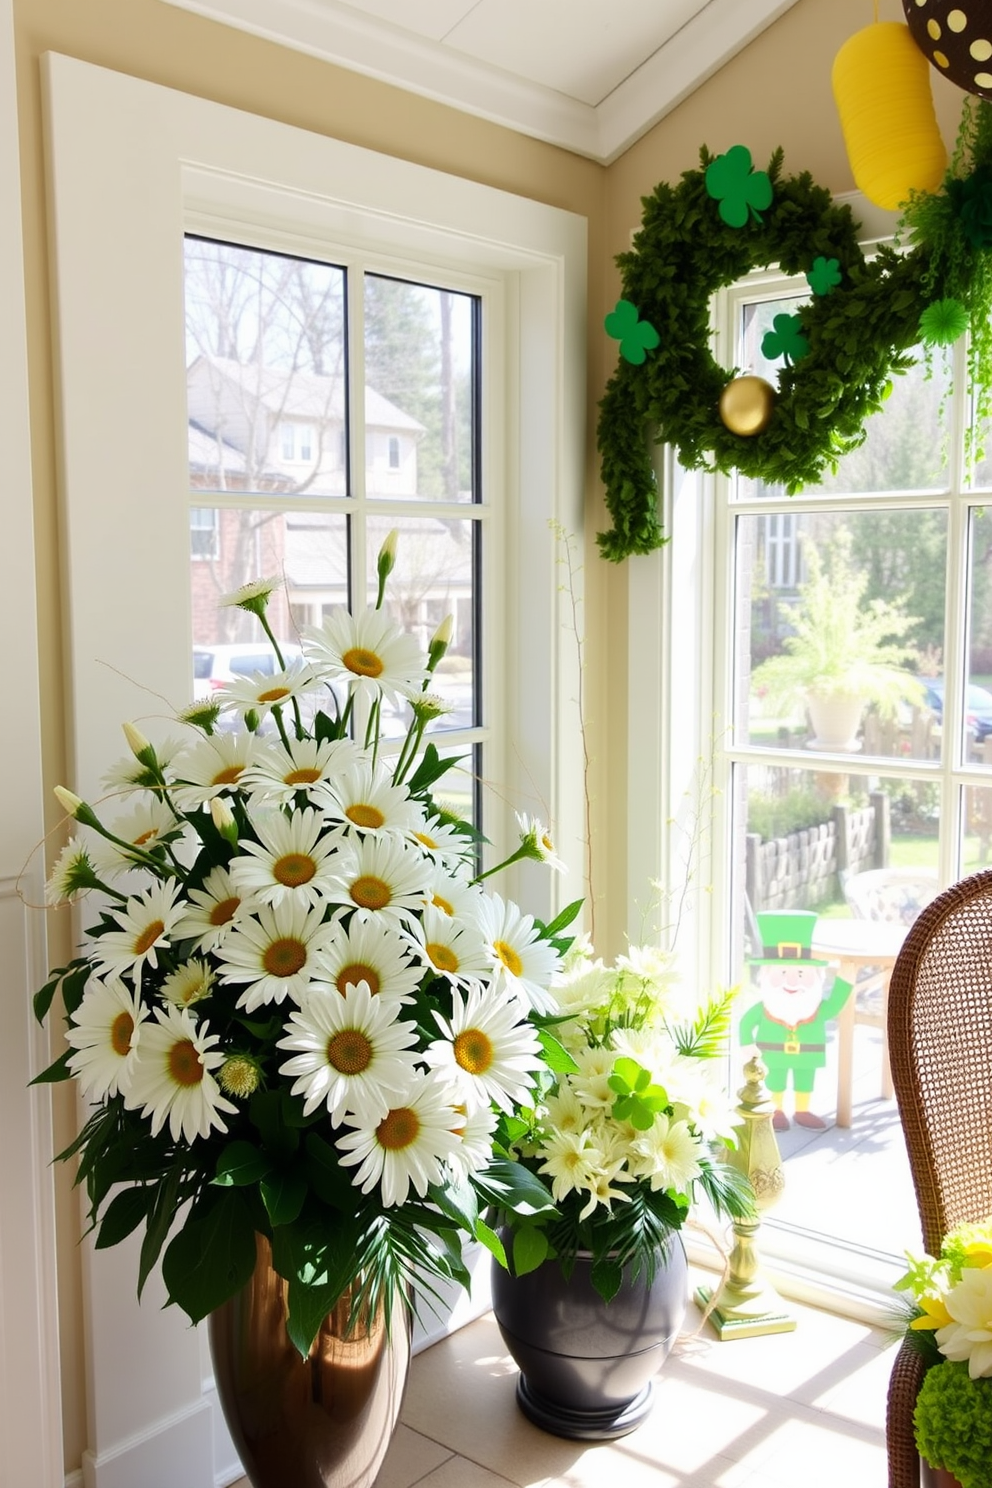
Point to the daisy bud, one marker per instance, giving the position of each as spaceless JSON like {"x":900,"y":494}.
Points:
{"x":223,"y":819}
{"x":251,"y":720}
{"x":139,"y":746}
{"x":239,"y":1076}
{"x":440,"y":641}
{"x":201,"y":714}
{"x":385,"y":563}
{"x":76,"y":807}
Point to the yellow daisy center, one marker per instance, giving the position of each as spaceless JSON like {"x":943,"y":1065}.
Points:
{"x":398,"y":1130}
{"x":350,"y":976}
{"x":349,"y":1051}
{"x":549,"y":845}
{"x":294,"y":869}
{"x":369,"y":892}
{"x":509,"y":957}
{"x":363,"y":663}
{"x":184,"y":1063}
{"x":284,"y":957}
{"x":148,"y":937}
{"x":443,"y":906}
{"x":473,"y":1051}
{"x":304,"y":776}
{"x":365,"y":816}
{"x":427,"y":841}
{"x":144,"y":837}
{"x":120,"y":1034}
{"x":273,"y":695}
{"x":224,"y":911}
{"x":442,"y":956}
{"x":230,"y":775}
{"x":238,"y":1077}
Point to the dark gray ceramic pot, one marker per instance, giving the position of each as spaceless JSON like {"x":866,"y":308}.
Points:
{"x":586,"y":1366}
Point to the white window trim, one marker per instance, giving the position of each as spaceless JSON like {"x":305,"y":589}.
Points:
{"x":131,"y":165}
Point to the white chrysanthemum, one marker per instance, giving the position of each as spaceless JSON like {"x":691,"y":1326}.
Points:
{"x":293,"y":861}
{"x":668,"y":1155}
{"x":656,"y":983}
{"x":73,"y":876}
{"x":648,"y":1047}
{"x":587,"y":985}
{"x":698,"y":1095}
{"x":253,"y":596}
{"x":535,"y":839}
{"x":475,"y":1139}
{"x":363,"y":798}
{"x":601,"y":1189}
{"x":276,"y":951}
{"x":172,"y":1078}
{"x":212,"y":911}
{"x":565,"y":1112}
{"x":352,"y":1054}
{"x":147,"y":923}
{"x":148,"y":824}
{"x":369,"y":651}
{"x":128,"y":774}
{"x":591,"y":1081}
{"x":190,"y":983}
{"x":488,"y":1052}
{"x":442,"y":842}
{"x":452,"y":950}
{"x":969,"y":1336}
{"x":519,"y":955}
{"x":213,"y":766}
{"x":366,"y":951}
{"x":105,"y":1031}
{"x":380,"y":878}
{"x":279,"y":773}
{"x":408,"y":1146}
{"x":570,"y":1159}
{"x":260,"y":692}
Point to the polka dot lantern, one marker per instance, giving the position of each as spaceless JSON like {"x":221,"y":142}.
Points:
{"x":881,"y":86}
{"x":956,"y":36}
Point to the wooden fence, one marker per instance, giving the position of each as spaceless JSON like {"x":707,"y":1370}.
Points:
{"x":802,"y":869}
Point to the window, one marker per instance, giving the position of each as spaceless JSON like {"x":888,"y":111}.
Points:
{"x":203,"y":533}
{"x":394,"y":452}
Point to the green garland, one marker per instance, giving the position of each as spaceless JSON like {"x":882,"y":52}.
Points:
{"x":712,"y":229}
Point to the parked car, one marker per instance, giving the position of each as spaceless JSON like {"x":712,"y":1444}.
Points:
{"x":978,"y":706}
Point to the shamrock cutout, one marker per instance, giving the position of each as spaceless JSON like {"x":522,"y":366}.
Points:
{"x":824,"y":276}
{"x":637,"y":337}
{"x":741,"y":191}
{"x":785,"y":340}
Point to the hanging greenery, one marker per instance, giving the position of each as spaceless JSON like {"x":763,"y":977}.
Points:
{"x":865,"y":321}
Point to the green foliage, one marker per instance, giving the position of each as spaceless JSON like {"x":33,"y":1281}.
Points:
{"x":776,"y":816}
{"x":953,"y":1420}
{"x":859,"y":335}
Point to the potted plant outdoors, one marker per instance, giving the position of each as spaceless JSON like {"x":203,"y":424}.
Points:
{"x":628,"y":1132}
{"x":844,"y":654}
{"x":303,"y":1023}
{"x":950,"y":1321}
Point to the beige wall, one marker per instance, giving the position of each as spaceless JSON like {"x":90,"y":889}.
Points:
{"x":776,"y":92}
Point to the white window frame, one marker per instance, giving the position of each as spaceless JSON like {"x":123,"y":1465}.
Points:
{"x":145,"y":164}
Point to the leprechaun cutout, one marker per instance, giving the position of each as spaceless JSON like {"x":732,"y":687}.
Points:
{"x":789,"y":1024}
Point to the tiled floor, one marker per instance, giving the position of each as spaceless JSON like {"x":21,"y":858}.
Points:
{"x":796,"y":1407}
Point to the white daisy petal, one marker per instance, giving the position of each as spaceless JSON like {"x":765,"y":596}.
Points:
{"x":147,"y":923}
{"x":369,"y":651}
{"x":489,"y":1050}
{"x":105,"y":1031}
{"x":379,"y":878}
{"x":293,"y":859}
{"x":518,"y":954}
{"x":408,"y":1147}
{"x":275,"y":950}
{"x":172,"y":1077}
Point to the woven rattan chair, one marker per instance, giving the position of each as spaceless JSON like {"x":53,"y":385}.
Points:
{"x":940,"y":1047}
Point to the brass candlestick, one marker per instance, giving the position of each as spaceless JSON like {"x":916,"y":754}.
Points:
{"x":747,"y":1305}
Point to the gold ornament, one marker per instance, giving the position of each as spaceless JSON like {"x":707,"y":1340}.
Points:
{"x":747,"y":404}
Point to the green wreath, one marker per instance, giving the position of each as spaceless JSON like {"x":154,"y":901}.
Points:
{"x":864,"y":319}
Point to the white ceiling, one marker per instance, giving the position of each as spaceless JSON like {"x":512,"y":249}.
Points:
{"x":590,"y":75}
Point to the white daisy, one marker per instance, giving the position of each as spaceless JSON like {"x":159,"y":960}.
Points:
{"x":148,"y":824}
{"x":190,"y":983}
{"x":105,"y":1031}
{"x":369,"y":651}
{"x":570,"y":1159}
{"x":488,"y":1051}
{"x":212,"y":766}
{"x":276,"y":952}
{"x":253,"y":596}
{"x":260,"y":692}
{"x":365,"y":951}
{"x":380,"y":878}
{"x":130,"y":774}
{"x":442,"y":842}
{"x":147,"y":922}
{"x":518,"y":954}
{"x":535,"y":840}
{"x":293,"y":861}
{"x":408,"y":1146}
{"x":452,"y":950}
{"x":667,"y":1155}
{"x":698,"y":1096}
{"x":308,"y":765}
{"x":211,"y":911}
{"x":364,"y":799}
{"x":454,"y":896}
{"x":172,"y":1077}
{"x":475,"y":1139}
{"x":352,"y":1054}
{"x":73,"y":876}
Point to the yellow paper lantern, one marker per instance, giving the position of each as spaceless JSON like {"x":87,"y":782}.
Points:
{"x":881,"y":83}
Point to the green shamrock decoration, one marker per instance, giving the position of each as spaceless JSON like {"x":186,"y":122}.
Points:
{"x":824,"y":276}
{"x":637,"y":337}
{"x":942,"y":322}
{"x":741,"y":191}
{"x":785,"y":340}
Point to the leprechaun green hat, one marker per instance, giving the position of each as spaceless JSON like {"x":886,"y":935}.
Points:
{"x":787,"y":935}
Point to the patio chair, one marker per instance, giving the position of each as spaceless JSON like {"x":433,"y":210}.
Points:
{"x":895,"y":896}
{"x":940,"y":1046}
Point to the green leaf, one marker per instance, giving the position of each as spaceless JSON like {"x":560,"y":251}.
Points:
{"x":55,"y":1072}
{"x":283,"y":1195}
{"x":74,"y":985}
{"x":606,"y":1276}
{"x":457,"y":1200}
{"x":211,"y":1258}
{"x":509,"y":1185}
{"x":160,"y":1217}
{"x":431,"y":768}
{"x":530,"y":1249}
{"x":564,"y":918}
{"x":491,"y":1241}
{"x":123,"y":1215}
{"x":44,"y":998}
{"x":241,"y":1163}
{"x":556,"y":1055}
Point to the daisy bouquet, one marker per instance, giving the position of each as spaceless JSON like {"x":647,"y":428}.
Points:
{"x":950,"y":1303}
{"x":630,"y":1132}
{"x":298,"y":1012}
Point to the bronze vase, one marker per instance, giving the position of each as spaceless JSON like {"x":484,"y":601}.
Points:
{"x":320,"y":1422}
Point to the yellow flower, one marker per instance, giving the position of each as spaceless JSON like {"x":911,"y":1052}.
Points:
{"x":935,"y":1314}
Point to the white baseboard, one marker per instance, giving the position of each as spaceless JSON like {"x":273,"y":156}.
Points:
{"x":178,"y":1450}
